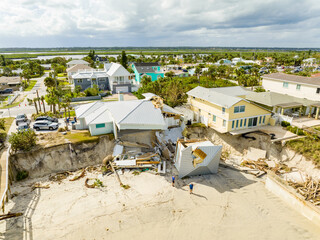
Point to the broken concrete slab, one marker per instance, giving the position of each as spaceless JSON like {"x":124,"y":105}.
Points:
{"x":255,"y":154}
{"x":118,"y":149}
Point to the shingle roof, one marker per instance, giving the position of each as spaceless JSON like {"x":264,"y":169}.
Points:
{"x":78,"y":67}
{"x":78,"y":61}
{"x":314,"y":81}
{"x":146,"y":67}
{"x":211,"y":95}
{"x":272,"y":99}
{"x":232,"y":91}
{"x":4,"y":79}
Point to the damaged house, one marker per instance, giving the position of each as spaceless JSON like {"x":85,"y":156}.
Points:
{"x":113,"y":117}
{"x":196,"y":157}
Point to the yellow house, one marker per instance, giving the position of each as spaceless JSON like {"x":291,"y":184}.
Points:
{"x":225,"y":109}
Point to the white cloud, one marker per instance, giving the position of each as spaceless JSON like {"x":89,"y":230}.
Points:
{"x":158,"y":23}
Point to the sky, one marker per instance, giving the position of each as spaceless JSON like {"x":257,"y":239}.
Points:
{"x":159,"y":23}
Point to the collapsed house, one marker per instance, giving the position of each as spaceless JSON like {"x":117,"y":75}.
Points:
{"x":196,"y":157}
{"x":136,"y":115}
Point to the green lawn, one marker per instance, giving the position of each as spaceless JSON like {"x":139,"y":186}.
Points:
{"x":81,"y":137}
{"x":8,"y":123}
{"x":12,"y":105}
{"x":31,"y":85}
{"x":62,"y":74}
{"x":63,"y":82}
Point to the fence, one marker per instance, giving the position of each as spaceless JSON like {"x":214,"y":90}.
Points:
{"x":79,"y":99}
{"x":282,"y":118}
{"x":11,"y":99}
{"x":4,"y":192}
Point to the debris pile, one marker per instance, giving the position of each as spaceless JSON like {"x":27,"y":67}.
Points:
{"x":310,"y":190}
{"x":262,"y":167}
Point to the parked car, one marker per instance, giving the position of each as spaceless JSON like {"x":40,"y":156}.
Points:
{"x":45,"y":125}
{"x":46,"y":118}
{"x":7,"y":90}
{"x":23,"y":126}
{"x":21,"y":118}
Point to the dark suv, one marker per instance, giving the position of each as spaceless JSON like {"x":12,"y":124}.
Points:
{"x":21,"y":118}
{"x":46,"y":118}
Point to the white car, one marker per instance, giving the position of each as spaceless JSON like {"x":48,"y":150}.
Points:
{"x":45,"y":125}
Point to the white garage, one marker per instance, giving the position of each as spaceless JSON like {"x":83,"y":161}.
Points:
{"x":123,"y":89}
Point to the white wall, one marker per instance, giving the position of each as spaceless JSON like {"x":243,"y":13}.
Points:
{"x":305,"y":91}
{"x":99,"y":131}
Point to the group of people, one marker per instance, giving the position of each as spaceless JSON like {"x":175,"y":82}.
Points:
{"x":190,"y":185}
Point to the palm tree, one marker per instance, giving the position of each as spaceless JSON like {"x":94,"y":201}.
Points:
{"x":30,"y":101}
{"x":38,"y":100}
{"x":43,"y":103}
{"x":49,"y":82}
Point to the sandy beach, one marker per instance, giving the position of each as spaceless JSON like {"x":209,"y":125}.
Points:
{"x":227,"y":205}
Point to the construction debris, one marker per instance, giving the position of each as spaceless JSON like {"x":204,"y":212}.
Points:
{"x":78,"y":175}
{"x":10,"y":215}
{"x":310,"y":190}
{"x":131,"y":144}
{"x":38,"y":185}
{"x":263,"y":167}
{"x":89,"y":185}
{"x":107,"y":159}
{"x":59,"y":177}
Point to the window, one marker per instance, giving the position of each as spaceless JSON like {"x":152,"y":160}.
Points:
{"x":318,"y":90}
{"x":224,"y":123}
{"x":237,"y":124}
{"x":285,"y":84}
{"x":260,"y":118}
{"x":241,"y":123}
{"x":79,"y":80}
{"x":239,"y":109}
{"x":298,"y":87}
{"x":264,"y":119}
{"x":223,"y":110}
{"x":100,"y":125}
{"x":233,"y":124}
{"x":214,"y":118}
{"x":245,"y":122}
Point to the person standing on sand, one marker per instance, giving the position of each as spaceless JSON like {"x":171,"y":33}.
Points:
{"x":173,"y":179}
{"x":191,"y":187}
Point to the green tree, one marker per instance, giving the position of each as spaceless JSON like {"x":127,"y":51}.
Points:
{"x":23,"y":140}
{"x":2,"y":124}
{"x":124,"y":60}
{"x":49,"y":82}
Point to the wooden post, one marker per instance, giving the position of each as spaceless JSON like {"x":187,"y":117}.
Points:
{"x":317,"y":113}
{"x":116,"y":174}
{"x":282,"y":111}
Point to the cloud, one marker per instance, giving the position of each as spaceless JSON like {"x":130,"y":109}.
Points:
{"x":38,"y":23}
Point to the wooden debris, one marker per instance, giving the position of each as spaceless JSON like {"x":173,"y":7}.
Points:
{"x":59,"y":177}
{"x":38,"y":185}
{"x":131,"y":144}
{"x":147,"y":156}
{"x":89,"y":185}
{"x":310,"y":190}
{"x":10,"y":215}
{"x":78,"y":176}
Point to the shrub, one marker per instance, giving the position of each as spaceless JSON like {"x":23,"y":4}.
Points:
{"x":22,"y":175}
{"x":300,"y":132}
{"x":98,"y":183}
{"x":285,"y":124}
{"x":23,"y":140}
{"x":198,"y":125}
{"x":61,"y":129}
{"x":94,"y":91}
{"x":289,"y":128}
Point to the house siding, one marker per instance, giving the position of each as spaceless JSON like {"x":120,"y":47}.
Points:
{"x":207,"y":110}
{"x":305,"y":91}
{"x":94,"y":131}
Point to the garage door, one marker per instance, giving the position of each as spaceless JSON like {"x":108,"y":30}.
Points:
{"x":122,"y":89}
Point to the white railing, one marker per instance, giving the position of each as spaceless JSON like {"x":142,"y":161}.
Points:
{"x":11,"y":100}
{"x":282,"y":118}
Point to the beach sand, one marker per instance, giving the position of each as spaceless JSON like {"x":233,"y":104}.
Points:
{"x":227,"y":205}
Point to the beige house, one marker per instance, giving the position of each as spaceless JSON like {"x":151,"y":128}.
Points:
{"x":77,"y":68}
{"x":226,"y":109}
{"x":10,"y":82}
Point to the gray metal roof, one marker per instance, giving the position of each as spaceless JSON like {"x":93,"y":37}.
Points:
{"x":232,"y":91}
{"x":283,"y":77}
{"x":219,"y":98}
{"x":137,"y":114}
